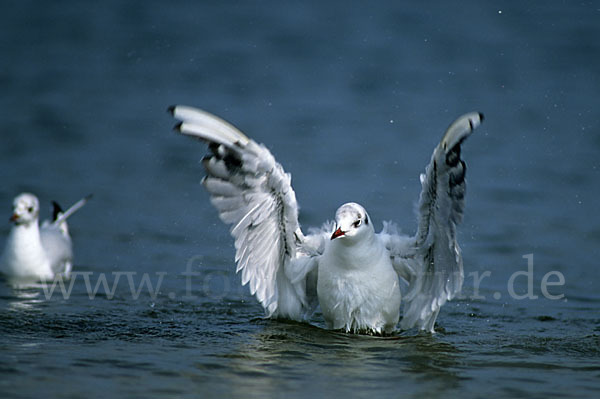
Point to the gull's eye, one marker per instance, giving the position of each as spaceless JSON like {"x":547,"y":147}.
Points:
{"x":357,"y":223}
{"x":30,"y":209}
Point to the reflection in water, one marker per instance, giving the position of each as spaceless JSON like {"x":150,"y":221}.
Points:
{"x":21,"y":298}
{"x":284,"y":355}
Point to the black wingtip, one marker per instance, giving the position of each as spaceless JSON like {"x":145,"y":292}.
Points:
{"x":481,"y":117}
{"x":171,"y":109}
{"x":56,"y":210}
{"x":177,"y":127}
{"x":88,"y":197}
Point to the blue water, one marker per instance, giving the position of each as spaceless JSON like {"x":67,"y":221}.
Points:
{"x":351,"y":98}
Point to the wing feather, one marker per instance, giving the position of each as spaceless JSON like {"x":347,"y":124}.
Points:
{"x":431,"y":261}
{"x":253,"y":194}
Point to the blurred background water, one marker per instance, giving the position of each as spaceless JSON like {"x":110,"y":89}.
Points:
{"x":351,"y":98}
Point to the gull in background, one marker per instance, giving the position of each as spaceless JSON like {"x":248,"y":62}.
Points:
{"x":33,"y":253}
{"x":354,"y":274}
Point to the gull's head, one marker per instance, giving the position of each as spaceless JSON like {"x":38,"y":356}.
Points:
{"x":352,"y":223}
{"x":26,"y":209}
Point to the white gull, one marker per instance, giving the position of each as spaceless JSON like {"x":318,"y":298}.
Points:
{"x":33,"y":253}
{"x":351,"y":272}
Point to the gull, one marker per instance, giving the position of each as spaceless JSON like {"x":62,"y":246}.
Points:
{"x":357,"y":277}
{"x":33,"y":253}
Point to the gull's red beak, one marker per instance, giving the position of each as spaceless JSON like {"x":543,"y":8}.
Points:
{"x":337,"y":233}
{"x":14,"y":217}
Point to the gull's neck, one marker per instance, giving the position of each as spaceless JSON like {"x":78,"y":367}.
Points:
{"x":24,"y":253}
{"x":26,"y":230}
{"x":356,"y":254}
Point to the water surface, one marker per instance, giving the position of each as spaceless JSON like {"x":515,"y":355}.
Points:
{"x":361,"y":92}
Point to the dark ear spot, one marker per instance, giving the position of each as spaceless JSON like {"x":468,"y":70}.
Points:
{"x":366,"y":219}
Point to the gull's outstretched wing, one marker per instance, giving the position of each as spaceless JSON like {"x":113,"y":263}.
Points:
{"x":60,"y":217}
{"x":254,"y":195}
{"x":432,"y":262}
